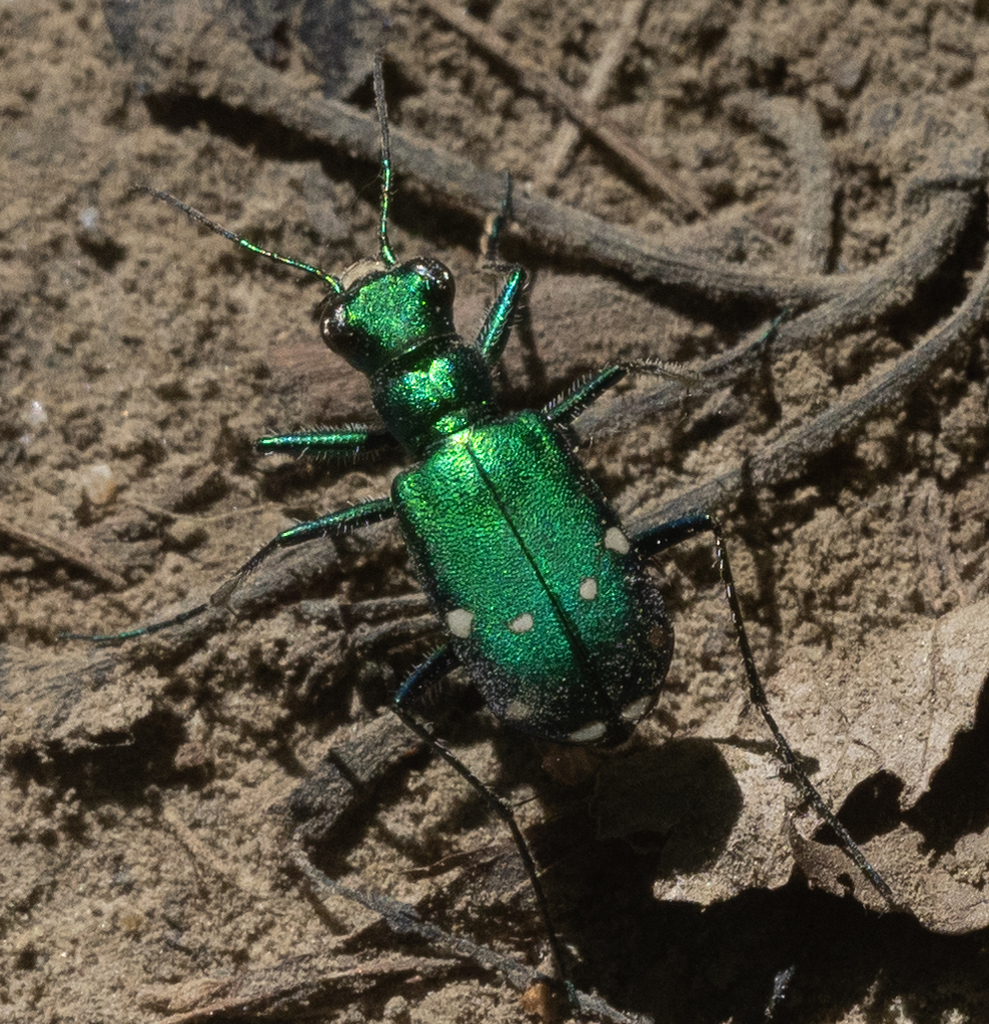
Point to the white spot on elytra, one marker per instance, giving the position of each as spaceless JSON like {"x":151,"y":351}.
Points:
{"x":588,"y":588}
{"x":615,"y":540}
{"x":522,"y":624}
{"x":635,"y":709}
{"x":459,"y":622}
{"x":589,"y":733}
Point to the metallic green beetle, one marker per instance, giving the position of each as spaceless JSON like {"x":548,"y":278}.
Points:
{"x":544,"y":596}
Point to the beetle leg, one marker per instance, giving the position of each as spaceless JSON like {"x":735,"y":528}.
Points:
{"x":439,"y":663}
{"x":666,"y":535}
{"x":334,"y":523}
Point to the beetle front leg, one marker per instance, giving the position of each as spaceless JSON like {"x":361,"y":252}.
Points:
{"x":351,"y":445}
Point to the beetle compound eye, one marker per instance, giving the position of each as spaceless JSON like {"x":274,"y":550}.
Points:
{"x":439,"y":278}
{"x":435,"y":286}
{"x":339,"y":335}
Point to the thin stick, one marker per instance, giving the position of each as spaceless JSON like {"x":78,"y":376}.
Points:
{"x":884,"y":389}
{"x":599,"y":126}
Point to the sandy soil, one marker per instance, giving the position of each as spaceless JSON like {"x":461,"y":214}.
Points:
{"x":172,"y":808}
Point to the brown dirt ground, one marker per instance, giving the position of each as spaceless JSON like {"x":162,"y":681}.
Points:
{"x":146,"y":869}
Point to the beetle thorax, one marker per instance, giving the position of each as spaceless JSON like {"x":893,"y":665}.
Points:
{"x":431,"y":397}
{"x":395,"y":324}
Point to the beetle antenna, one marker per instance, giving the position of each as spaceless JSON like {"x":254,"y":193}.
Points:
{"x":200,"y":218}
{"x":387,"y":256}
